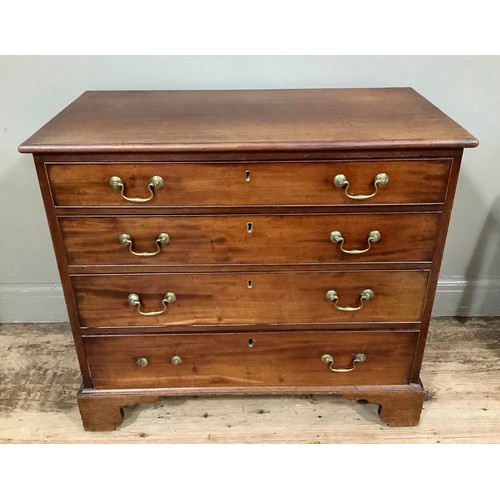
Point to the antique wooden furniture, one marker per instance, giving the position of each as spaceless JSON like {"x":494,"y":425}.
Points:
{"x":249,"y":242}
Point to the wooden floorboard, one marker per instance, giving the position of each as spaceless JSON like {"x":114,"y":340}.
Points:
{"x":39,"y":379}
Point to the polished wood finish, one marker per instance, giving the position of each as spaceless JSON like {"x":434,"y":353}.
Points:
{"x":58,"y":244}
{"x":226,"y":240}
{"x":239,"y":120}
{"x":434,"y":275}
{"x":226,"y":298}
{"x":397,"y":408}
{"x":226,"y":184}
{"x":105,"y":412}
{"x":230,"y":158}
{"x":256,"y":359}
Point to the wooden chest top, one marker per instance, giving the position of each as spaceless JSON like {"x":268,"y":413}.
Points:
{"x":248,"y":120}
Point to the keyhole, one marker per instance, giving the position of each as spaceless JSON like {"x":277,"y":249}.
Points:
{"x":249,"y":283}
{"x":250,"y":342}
{"x":248,"y":177}
{"x":249,"y":227}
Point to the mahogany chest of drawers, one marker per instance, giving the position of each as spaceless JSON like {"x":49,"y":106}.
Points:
{"x":249,"y":242}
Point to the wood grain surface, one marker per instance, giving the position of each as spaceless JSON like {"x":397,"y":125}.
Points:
{"x":256,"y":359}
{"x":278,"y":183}
{"x":118,"y":121}
{"x":229,"y":240}
{"x":40,"y":378}
{"x":226,"y":298}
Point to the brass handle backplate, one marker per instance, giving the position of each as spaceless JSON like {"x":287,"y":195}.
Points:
{"x":161,"y":239}
{"x":337,"y":237}
{"x":341,"y":181}
{"x":156,"y":182}
{"x":358,"y":358}
{"x":143,"y":362}
{"x":176,"y":360}
{"x":135,"y":300}
{"x":367,"y":294}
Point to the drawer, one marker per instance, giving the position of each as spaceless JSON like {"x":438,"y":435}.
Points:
{"x":260,"y":359}
{"x":249,"y":298}
{"x":249,"y":184}
{"x":250,"y":239}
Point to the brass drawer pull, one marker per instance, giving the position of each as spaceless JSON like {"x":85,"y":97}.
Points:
{"x":332,"y":296}
{"x":168,"y":298}
{"x":336,"y":237}
{"x":161,"y":239}
{"x":341,"y":181}
{"x":358,"y":358}
{"x":156,"y":182}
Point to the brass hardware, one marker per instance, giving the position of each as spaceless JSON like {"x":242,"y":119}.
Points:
{"x":341,"y":181}
{"x":358,"y":358}
{"x":142,"y":362}
{"x":332,"y":296}
{"x":168,"y":298}
{"x":156,"y":182}
{"x":176,"y":360}
{"x":336,"y":237}
{"x":161,"y":239}
{"x":249,"y":227}
{"x":248,"y":176}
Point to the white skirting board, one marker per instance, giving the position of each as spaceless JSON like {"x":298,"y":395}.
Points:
{"x":32,"y":303}
{"x":463,"y":297}
{"x":44,"y":302}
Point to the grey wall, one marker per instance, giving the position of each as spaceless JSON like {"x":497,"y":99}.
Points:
{"x":33,"y":89}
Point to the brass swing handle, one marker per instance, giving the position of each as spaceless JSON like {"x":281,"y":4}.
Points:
{"x":161,"y":239}
{"x":332,"y":296}
{"x":135,"y":300}
{"x":336,"y":237}
{"x":341,"y":181}
{"x":156,"y":182}
{"x":328,"y":358}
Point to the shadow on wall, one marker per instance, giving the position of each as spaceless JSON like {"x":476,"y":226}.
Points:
{"x":482,"y":277}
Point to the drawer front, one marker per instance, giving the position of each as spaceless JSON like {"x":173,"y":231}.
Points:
{"x":261,"y":359}
{"x":252,"y":239}
{"x":249,"y":298}
{"x":249,"y":184}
